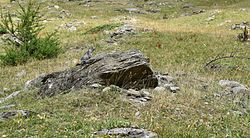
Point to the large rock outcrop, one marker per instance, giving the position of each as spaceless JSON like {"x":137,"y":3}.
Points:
{"x":128,"y":70}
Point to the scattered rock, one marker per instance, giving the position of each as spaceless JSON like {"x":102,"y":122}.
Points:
{"x":7,"y":106}
{"x":166,"y":82}
{"x":159,"y":89}
{"x":96,"y":86}
{"x":106,"y":89}
{"x":236,"y":93}
{"x":15,"y":113}
{"x":141,"y":96}
{"x":30,"y":84}
{"x":153,"y":10}
{"x":56,"y":6}
{"x":187,"y":5}
{"x":64,"y":13}
{"x":137,"y":114}
{"x":94,"y":17}
{"x":197,"y":10}
{"x":71,"y":26}
{"x":174,"y":89}
{"x":132,"y":10}
{"x":211,"y":18}
{"x":50,"y":7}
{"x":126,"y":132}
{"x":14,"y":94}
{"x":241,"y":25}
{"x":120,"y":32}
{"x":233,"y":86}
{"x":128,"y":70}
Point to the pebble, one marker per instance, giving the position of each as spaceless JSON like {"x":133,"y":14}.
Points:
{"x":106,"y":89}
{"x":159,"y":89}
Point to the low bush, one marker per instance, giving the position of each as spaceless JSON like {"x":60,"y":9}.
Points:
{"x":24,"y":40}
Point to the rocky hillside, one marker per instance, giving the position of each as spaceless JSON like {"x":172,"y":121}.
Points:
{"x":132,"y":68}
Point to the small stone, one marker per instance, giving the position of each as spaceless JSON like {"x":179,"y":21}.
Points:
{"x":34,"y":82}
{"x":237,"y":113}
{"x":159,"y":89}
{"x":243,"y":9}
{"x":137,"y":114}
{"x":134,"y":93}
{"x":14,"y":94}
{"x":238,"y":89}
{"x":168,"y":85}
{"x":144,"y":92}
{"x":147,"y":98}
{"x":230,"y":84}
{"x":72,"y":29}
{"x":106,"y":89}
{"x":15,"y":113}
{"x":96,"y":85}
{"x":7,"y":106}
{"x":198,"y":11}
{"x":174,"y":89}
{"x":56,"y":6}
{"x":94,"y":17}
{"x":211,"y":18}
{"x":187,"y":5}
{"x":128,"y":132}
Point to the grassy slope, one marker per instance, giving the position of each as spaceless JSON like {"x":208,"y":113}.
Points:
{"x":186,"y":44}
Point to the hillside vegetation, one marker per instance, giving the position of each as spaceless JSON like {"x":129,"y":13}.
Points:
{"x":177,"y":40}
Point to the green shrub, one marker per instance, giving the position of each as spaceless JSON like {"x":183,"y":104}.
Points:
{"x":47,"y":47}
{"x":2,"y":30}
{"x":14,"y":57}
{"x":24,"y":37}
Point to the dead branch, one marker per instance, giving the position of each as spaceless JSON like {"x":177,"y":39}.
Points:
{"x":218,"y":57}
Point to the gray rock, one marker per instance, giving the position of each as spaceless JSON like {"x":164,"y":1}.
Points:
{"x":197,"y":10}
{"x":15,"y":113}
{"x":168,"y":85}
{"x":106,"y":89}
{"x":144,"y":92}
{"x":230,"y":84}
{"x":123,"y":30}
{"x":138,"y":96}
{"x":96,"y":85}
{"x":241,"y":25}
{"x":14,"y":94}
{"x":127,"y":132}
{"x":7,"y":106}
{"x":187,"y":5}
{"x":37,"y":82}
{"x":159,"y":89}
{"x":133,"y":93}
{"x":128,"y":70}
{"x":239,"y":89}
{"x":174,"y":89}
{"x":72,"y":29}
{"x":94,"y":17}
